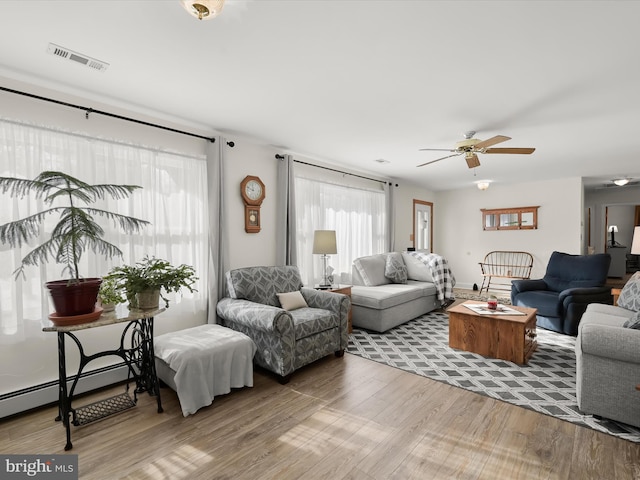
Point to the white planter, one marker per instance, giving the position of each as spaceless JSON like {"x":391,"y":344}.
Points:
{"x":148,"y":299}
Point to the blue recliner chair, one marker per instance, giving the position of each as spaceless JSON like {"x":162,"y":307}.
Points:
{"x":570,"y":284}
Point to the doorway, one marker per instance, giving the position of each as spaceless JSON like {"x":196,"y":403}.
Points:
{"x":423,"y":226}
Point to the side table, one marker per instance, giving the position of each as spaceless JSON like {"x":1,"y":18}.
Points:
{"x":136,"y":350}
{"x":616,"y":293}
{"x":345,"y":290}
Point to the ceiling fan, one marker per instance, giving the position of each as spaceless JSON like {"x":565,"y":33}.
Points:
{"x":470,"y":147}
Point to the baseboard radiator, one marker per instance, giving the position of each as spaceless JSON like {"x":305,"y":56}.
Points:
{"x":47,"y":393}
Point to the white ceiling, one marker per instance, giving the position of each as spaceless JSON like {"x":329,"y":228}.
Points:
{"x":349,"y":82}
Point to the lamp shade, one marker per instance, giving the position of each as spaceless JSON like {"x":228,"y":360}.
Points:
{"x":635,"y":243}
{"x":324,"y":242}
{"x":613,"y":228}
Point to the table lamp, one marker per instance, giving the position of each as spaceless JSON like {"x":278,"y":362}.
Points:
{"x":613,"y":229}
{"x":324,"y":243}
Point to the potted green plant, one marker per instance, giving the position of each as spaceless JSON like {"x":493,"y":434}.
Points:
{"x":76,"y":231}
{"x":110,"y":294}
{"x":149,"y":279}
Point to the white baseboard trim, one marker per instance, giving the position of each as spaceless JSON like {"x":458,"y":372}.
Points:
{"x":45,"y":394}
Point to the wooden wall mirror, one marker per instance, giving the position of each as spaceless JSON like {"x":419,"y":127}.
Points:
{"x":518,"y":218}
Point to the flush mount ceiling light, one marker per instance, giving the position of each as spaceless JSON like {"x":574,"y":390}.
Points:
{"x":621,"y":181}
{"x":483,"y":184}
{"x":203,"y":9}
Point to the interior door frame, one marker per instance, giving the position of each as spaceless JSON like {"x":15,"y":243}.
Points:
{"x":417,"y":202}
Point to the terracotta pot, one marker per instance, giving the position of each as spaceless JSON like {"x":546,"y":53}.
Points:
{"x":148,"y":299}
{"x":71,"y":299}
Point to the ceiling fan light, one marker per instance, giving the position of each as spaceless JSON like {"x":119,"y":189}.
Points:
{"x":621,"y":181}
{"x":203,"y":9}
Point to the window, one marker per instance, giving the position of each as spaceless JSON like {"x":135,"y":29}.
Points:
{"x":173,"y":199}
{"x":356,"y":214}
{"x":520,"y":218}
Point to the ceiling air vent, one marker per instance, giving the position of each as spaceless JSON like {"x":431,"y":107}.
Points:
{"x":80,"y":58}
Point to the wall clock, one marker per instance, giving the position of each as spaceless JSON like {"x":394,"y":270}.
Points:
{"x":253,"y":193}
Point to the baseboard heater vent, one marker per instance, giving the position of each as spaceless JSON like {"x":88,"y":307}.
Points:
{"x":80,"y":58}
{"x":47,"y":393}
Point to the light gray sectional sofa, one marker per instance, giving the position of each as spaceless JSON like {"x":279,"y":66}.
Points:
{"x":608,"y":358}
{"x":392,"y":288}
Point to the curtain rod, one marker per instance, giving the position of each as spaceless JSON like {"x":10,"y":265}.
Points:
{"x":89,"y":110}
{"x":280,"y":157}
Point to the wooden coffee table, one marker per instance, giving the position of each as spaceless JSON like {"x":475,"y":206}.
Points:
{"x":508,"y":337}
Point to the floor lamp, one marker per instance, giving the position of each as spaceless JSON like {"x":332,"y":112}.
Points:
{"x":324,"y":243}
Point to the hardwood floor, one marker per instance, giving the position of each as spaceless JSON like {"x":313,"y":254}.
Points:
{"x":340,"y":418}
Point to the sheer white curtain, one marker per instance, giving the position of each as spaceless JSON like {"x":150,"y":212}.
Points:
{"x":173,"y":199}
{"x":356,"y":214}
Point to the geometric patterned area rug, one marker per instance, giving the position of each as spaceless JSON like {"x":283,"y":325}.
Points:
{"x":547,"y":384}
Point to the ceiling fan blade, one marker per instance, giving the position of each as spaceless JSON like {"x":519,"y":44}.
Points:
{"x":437,"y":149}
{"x":472,"y":160}
{"x":510,"y":150}
{"x":438,"y":159}
{"x":491,"y":141}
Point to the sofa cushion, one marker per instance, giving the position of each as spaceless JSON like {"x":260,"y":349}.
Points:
{"x":633,"y":322}
{"x":371,"y":269}
{"x":261,"y":284}
{"x":310,"y":321}
{"x":576,"y":271}
{"x":545,"y":301}
{"x":390,"y":295}
{"x":608,"y":310}
{"x":395,"y":269}
{"x":416,"y":269}
{"x":630,"y":295}
{"x":292,"y":300}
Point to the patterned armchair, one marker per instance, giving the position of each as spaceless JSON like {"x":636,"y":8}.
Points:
{"x":286,"y":340}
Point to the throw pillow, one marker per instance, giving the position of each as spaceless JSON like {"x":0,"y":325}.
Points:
{"x":633,"y":322}
{"x":371,"y":270}
{"x":417,"y":269}
{"x":630,"y":295}
{"x":395,"y":269}
{"x":291,"y":300}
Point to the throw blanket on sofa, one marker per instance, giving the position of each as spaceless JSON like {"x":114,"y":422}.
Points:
{"x":441,"y":273}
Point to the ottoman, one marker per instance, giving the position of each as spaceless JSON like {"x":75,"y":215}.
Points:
{"x":202,"y":362}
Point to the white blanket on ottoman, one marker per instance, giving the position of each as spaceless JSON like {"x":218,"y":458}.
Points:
{"x":208,"y":360}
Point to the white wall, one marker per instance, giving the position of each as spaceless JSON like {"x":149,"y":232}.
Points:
{"x":459,"y":236}
{"x":248,"y":158}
